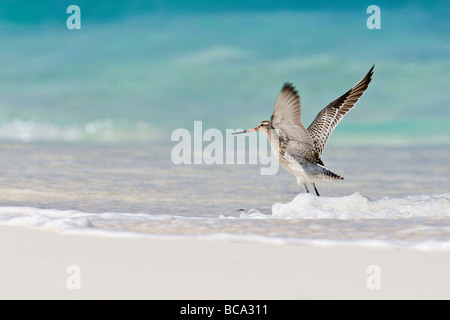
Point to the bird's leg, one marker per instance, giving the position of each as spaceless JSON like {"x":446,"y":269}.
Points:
{"x":315,"y":189}
{"x":306,"y":188}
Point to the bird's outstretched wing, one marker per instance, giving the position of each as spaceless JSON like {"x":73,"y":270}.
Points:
{"x":327,"y":119}
{"x":287,"y":108}
{"x":286,"y":119}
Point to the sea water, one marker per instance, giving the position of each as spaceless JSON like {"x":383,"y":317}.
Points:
{"x":86,"y":118}
{"x":388,"y":198}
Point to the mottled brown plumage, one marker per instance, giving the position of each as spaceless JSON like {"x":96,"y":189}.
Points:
{"x":327,"y":119}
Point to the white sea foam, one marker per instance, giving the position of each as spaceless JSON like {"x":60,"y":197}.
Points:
{"x":104,"y":129}
{"x":356,"y":206}
{"x":71,"y":221}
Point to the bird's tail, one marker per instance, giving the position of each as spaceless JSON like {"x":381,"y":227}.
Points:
{"x":323,"y":173}
{"x":331,"y":175}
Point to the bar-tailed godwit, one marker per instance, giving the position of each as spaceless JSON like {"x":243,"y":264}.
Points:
{"x":298,"y":149}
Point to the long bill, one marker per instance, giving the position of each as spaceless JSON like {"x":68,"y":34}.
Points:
{"x":246,"y":131}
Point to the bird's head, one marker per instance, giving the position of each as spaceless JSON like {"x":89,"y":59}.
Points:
{"x":264,"y":126}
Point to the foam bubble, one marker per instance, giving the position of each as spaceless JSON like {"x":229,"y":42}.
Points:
{"x":356,"y":206}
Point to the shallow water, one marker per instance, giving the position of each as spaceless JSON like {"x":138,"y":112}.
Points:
{"x":388,"y":197}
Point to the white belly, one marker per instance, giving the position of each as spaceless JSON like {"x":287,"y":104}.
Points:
{"x":294,"y":167}
{"x":303,"y":170}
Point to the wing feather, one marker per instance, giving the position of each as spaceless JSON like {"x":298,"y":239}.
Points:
{"x":287,"y":107}
{"x":328,"y":118}
{"x":286,"y":119}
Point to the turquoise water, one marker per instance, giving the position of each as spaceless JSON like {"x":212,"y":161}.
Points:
{"x":139,"y":70}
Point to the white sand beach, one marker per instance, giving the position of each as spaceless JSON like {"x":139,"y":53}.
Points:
{"x":35,"y":265}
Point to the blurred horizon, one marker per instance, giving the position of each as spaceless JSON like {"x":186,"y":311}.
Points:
{"x":137,"y":70}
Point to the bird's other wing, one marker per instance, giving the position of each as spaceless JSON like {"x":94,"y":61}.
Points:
{"x":287,"y":107}
{"x":327,"y":119}
{"x":286,"y":120}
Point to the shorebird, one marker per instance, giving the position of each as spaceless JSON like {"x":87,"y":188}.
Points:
{"x":298,"y":149}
